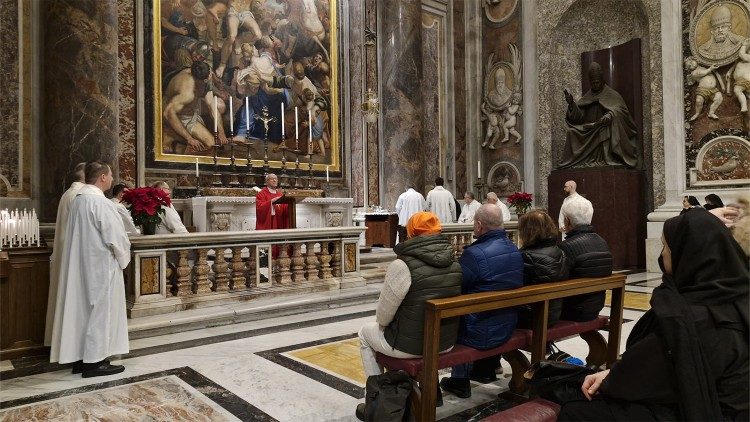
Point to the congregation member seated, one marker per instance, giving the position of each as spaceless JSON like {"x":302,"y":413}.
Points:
{"x":589,"y":256}
{"x":424,"y":270}
{"x":687,"y":357}
{"x":491,"y":263}
{"x":688,"y":203}
{"x":171,"y":221}
{"x":543,"y":261}
{"x":713,"y":201}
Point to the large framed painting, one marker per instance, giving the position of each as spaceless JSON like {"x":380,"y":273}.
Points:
{"x":248,"y":76}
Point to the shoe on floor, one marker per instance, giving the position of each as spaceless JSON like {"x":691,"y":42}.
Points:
{"x":100,"y":369}
{"x":483,"y":377}
{"x":77,"y":367}
{"x":360,"y":412}
{"x":459,"y":387}
{"x":439,"y":399}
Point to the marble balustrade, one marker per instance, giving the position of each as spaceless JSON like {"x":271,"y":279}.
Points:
{"x":461,"y":234}
{"x":174,"y":272}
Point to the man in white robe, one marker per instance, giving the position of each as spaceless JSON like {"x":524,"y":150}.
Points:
{"x":171,"y":221}
{"x":61,"y":224}
{"x":470,"y":208}
{"x":493,"y":199}
{"x":90,"y":320}
{"x":441,"y":203}
{"x":570,"y":189}
{"x":408,"y":204}
{"x":127,"y":220}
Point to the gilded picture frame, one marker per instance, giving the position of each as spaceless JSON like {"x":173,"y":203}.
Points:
{"x":284,"y":54}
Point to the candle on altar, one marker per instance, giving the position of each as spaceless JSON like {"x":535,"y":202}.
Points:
{"x":247,"y":114}
{"x":309,"y":142}
{"x":216,"y":114}
{"x":282,"y":120}
{"x":196,"y":166}
{"x":296,"y":124}
{"x":231,"y":116}
{"x":479,"y":169}
{"x":328,"y":179}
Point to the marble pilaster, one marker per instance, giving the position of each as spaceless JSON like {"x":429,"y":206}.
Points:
{"x":372,"y":145}
{"x":400,"y":39}
{"x":80,"y":90}
{"x":127,"y":91}
{"x":356,"y":51}
{"x":458,"y":177}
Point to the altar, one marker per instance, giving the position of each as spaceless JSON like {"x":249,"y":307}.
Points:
{"x":237,"y":213}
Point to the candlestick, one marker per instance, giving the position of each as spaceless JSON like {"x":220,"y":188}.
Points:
{"x":247,"y":114}
{"x":231,"y":116}
{"x":216,"y":114}
{"x":309,"y":143}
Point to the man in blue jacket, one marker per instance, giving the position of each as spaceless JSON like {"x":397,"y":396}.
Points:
{"x":491,"y":263}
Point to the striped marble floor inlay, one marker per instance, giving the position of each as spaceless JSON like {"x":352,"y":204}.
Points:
{"x":161,"y":399}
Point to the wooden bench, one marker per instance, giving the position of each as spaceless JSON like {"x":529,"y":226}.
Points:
{"x":424,"y":369}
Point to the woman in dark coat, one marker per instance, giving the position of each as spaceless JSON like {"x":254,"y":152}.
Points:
{"x":713,"y":201}
{"x":687,"y":357}
{"x":543,"y":260}
{"x":688,"y":203}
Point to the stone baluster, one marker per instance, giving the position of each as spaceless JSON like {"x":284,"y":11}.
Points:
{"x":312,"y":262}
{"x":325,"y":261}
{"x":283,"y":265}
{"x":238,"y":268}
{"x":336,"y":259}
{"x":201,"y":283}
{"x":221,"y":272}
{"x":250,"y":268}
{"x":298,"y":263}
{"x":183,"y":287}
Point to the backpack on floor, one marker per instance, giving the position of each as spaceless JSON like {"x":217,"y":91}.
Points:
{"x":387,"y":397}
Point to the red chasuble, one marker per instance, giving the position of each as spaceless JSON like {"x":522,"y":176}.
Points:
{"x":264,"y":219}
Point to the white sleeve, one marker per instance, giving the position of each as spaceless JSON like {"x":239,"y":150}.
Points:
{"x":395,"y":287}
{"x":127,"y":220}
{"x":506,"y":212}
{"x":462,"y":217}
{"x":172,"y":221}
{"x":428,"y":202}
{"x":114,"y":236}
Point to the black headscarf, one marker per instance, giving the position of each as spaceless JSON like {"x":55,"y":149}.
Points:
{"x":693,"y":201}
{"x":709,"y":274}
{"x":713,"y":201}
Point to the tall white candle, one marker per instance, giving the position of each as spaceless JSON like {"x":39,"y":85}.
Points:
{"x":231,"y":116}
{"x":216,"y":114}
{"x":247,"y":114}
{"x":196,"y":166}
{"x":328,"y":179}
{"x":296,"y":124}
{"x":309,"y":119}
{"x":37,"y":232}
{"x":282,"y":121}
{"x":479,"y":169}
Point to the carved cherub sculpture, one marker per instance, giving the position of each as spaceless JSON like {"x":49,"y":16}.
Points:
{"x":509,"y":115}
{"x":741,"y":74}
{"x":495,"y":126}
{"x":707,"y":87}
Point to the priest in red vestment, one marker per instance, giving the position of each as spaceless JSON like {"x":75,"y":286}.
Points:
{"x":270,"y":215}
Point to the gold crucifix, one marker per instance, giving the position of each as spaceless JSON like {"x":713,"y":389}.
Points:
{"x":265,"y":118}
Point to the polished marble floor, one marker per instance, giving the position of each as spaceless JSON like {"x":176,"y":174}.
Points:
{"x":302,"y":367}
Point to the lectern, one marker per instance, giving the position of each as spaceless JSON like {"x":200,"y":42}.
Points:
{"x":292,"y":207}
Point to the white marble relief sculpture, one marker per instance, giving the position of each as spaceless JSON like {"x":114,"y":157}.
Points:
{"x":502,"y":98}
{"x":499,"y":12}
{"x":708,"y":81}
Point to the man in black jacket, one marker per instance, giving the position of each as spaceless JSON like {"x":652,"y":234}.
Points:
{"x":589,"y":255}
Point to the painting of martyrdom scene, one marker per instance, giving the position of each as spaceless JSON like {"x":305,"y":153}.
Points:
{"x":716,"y":51}
{"x":221,"y":63}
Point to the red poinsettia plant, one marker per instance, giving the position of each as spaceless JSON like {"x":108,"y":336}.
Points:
{"x":521,"y":201}
{"x":146,"y":204}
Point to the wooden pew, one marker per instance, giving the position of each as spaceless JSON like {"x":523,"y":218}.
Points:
{"x":423,"y":400}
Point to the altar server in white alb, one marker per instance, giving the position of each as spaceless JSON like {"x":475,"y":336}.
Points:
{"x":90,"y":321}
{"x":127,"y":220}
{"x":408,"y":204}
{"x":493,"y":199}
{"x":441,"y":202}
{"x":171,"y":222}
{"x":61,"y":224}
{"x":470,"y":208}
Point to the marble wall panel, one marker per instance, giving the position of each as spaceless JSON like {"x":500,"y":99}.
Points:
{"x":401,"y":99}
{"x":80,"y":90}
{"x":371,"y":82}
{"x":565,"y":30}
{"x":459,"y":89}
{"x":127,"y":90}
{"x":356,"y":88}
{"x":432,"y":86}
{"x":15,"y":103}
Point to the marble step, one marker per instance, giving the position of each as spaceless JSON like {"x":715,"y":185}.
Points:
{"x":378,"y":255}
{"x":255,"y":310}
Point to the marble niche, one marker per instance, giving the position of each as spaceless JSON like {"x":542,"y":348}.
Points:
{"x":224,"y":213}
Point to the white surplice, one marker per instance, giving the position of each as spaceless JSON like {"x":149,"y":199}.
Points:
{"x":505,"y":211}
{"x":468,"y":211}
{"x":90,"y":319}
{"x":441,"y":203}
{"x":408,"y":204}
{"x":61,"y":224}
{"x":127,"y":219}
{"x":171,"y":222}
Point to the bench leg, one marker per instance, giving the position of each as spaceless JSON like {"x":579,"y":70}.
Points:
{"x":597,"y":348}
{"x":519,"y":365}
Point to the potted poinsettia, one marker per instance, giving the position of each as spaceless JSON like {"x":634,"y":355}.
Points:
{"x":146,"y":206}
{"x":521,"y":201}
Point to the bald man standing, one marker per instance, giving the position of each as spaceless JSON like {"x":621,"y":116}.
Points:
{"x":570,"y":189}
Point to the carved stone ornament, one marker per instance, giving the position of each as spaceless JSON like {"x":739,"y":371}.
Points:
{"x":504,"y":179}
{"x":499,"y":11}
{"x":722,"y":161}
{"x":220,"y":221}
{"x":502,"y":101}
{"x":334,"y":218}
{"x":718,"y":29}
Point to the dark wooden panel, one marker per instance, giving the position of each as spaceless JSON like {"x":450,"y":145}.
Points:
{"x":23,"y":302}
{"x":381,"y":230}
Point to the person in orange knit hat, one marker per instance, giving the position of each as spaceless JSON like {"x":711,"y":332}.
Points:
{"x":424,"y":269}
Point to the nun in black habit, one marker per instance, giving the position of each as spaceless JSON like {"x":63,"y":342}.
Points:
{"x":687,"y":357}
